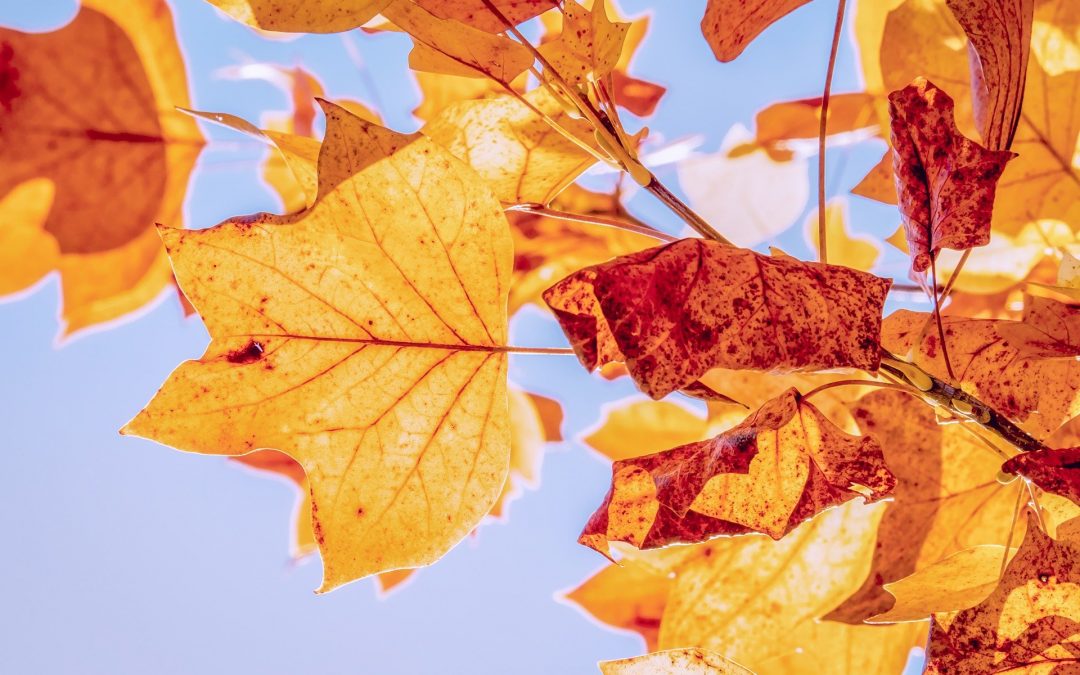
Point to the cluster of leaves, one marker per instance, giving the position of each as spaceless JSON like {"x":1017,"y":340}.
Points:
{"x":359,"y":341}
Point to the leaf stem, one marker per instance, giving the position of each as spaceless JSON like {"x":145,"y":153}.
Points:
{"x":685,"y":212}
{"x":636,"y":228}
{"x":958,"y":402}
{"x":823,"y":127}
{"x":852,"y":383}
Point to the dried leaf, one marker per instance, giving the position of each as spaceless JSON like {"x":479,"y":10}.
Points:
{"x":673,"y":312}
{"x":687,"y":661}
{"x":945,"y":182}
{"x":1031,"y":621}
{"x":1056,"y":471}
{"x":1000,"y":39}
{"x":509,"y":143}
{"x":730,"y":25}
{"x":401,"y":425}
{"x":118,"y":161}
{"x":1015,"y":367}
{"x":309,"y":16}
{"x":782,"y":465}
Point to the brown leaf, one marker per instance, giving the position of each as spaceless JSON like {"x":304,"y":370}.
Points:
{"x":730,"y":25}
{"x":945,"y":182}
{"x":1000,"y":35}
{"x":1015,"y":367}
{"x":1056,"y":471}
{"x":782,"y":465}
{"x":1030,"y":622}
{"x":673,"y":312}
{"x":89,"y":109}
{"x":947,"y":496}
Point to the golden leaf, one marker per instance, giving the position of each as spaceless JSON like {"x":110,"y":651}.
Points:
{"x":309,"y":16}
{"x":687,"y":661}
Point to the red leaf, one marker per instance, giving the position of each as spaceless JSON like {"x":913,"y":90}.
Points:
{"x":778,"y":468}
{"x":1056,"y":471}
{"x":674,"y":312}
{"x":945,"y":182}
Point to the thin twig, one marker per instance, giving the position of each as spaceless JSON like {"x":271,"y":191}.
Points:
{"x":1012,"y":526}
{"x":852,"y":383}
{"x":636,"y":228}
{"x":823,"y":246}
{"x":937,"y":318}
{"x":685,"y":212}
{"x":955,"y":274}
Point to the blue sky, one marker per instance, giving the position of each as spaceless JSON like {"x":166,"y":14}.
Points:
{"x":125,"y":556}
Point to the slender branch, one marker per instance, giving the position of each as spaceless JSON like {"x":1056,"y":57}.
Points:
{"x":823,"y":246}
{"x":958,"y":402}
{"x":955,"y":275}
{"x":937,"y":318}
{"x":636,"y":228}
{"x":854,"y":383}
{"x":685,"y":212}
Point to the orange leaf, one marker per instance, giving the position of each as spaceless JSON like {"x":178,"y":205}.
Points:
{"x":947,"y":496}
{"x":782,"y":465}
{"x":362,"y":337}
{"x":309,"y":16}
{"x":1030,"y":622}
{"x":1000,"y":35}
{"x":117,"y":162}
{"x":673,"y":312}
{"x":730,"y":25}
{"x":476,"y":14}
{"x":589,"y":45}
{"x":628,"y":596}
{"x":945,"y":182}
{"x":800,"y":120}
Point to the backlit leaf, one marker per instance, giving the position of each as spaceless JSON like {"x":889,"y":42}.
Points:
{"x":589,"y":45}
{"x":476,"y":14}
{"x":362,"y":338}
{"x":689,"y":661}
{"x":673,"y":312}
{"x":945,"y":182}
{"x":1056,"y":471}
{"x":308,"y":16}
{"x":89,"y":109}
{"x":778,"y":468}
{"x":730,"y":25}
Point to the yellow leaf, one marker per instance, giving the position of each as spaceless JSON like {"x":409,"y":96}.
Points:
{"x":362,"y":337}
{"x":630,"y":596}
{"x":858,"y":252}
{"x":511,"y":145}
{"x":959,"y":581}
{"x":641,"y":427}
{"x":309,"y":16}
{"x":589,"y":46}
{"x":687,"y":661}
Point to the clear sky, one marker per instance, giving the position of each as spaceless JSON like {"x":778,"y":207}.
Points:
{"x":123,"y":556}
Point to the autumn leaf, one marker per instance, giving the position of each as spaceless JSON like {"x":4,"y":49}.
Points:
{"x":778,"y":468}
{"x":476,"y":14}
{"x":453,"y":48}
{"x":758,"y":601}
{"x":673,"y":312}
{"x":959,"y":581}
{"x":1000,"y":37}
{"x":310,"y":16}
{"x":947,"y":496}
{"x":688,"y":661}
{"x":745,"y":186}
{"x":364,"y":338}
{"x":302,"y":541}
{"x":730,"y":25}
{"x":778,"y":125}
{"x":626,"y":596}
{"x":1056,"y":471}
{"x":1015,"y":367}
{"x":642,"y":427}
{"x":547,"y":248}
{"x":945,"y":182}
{"x":589,"y":46}
{"x":81,"y":187}
{"x":857,"y":252}
{"x":509,"y":142}
{"x":1031,"y":621}
{"x":439,"y":91}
